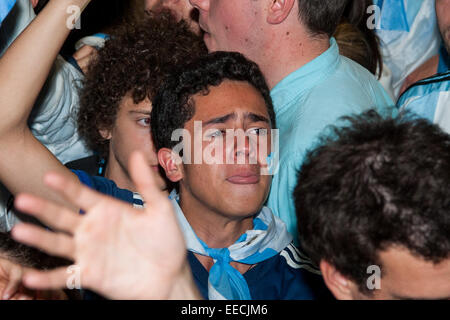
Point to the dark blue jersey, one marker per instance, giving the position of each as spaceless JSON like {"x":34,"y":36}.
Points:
{"x":286,"y":276}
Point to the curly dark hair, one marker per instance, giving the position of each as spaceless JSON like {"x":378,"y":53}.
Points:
{"x":378,"y":183}
{"x":135,"y":60}
{"x":173,"y":106}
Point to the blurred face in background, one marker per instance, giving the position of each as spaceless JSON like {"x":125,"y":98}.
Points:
{"x":181,"y":8}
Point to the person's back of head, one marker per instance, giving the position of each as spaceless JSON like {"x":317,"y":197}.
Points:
{"x":320,"y":17}
{"x":373,"y":190}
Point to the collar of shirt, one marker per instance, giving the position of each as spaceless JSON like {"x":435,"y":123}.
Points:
{"x":305,"y":78}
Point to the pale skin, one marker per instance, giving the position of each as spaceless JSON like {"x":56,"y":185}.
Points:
{"x":268,"y":32}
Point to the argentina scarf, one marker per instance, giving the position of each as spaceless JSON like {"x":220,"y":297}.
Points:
{"x":268,"y":237}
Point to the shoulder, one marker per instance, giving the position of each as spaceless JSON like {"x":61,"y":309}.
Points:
{"x":108,"y":187}
{"x":293,"y":258}
{"x":286,"y":276}
{"x":426,"y":89}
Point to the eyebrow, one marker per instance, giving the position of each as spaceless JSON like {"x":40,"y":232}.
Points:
{"x":221,"y":119}
{"x":253,"y":117}
{"x":142,"y":111}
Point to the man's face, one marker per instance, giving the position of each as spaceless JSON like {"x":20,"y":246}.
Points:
{"x":182,"y":9}
{"x":230,"y":25}
{"x":131,"y":132}
{"x":405,"y":276}
{"x":232,"y":184}
{"x":443,"y":16}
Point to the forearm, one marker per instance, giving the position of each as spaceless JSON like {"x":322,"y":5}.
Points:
{"x":26,"y":64}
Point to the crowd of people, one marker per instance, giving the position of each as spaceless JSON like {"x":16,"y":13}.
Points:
{"x":225,"y":149}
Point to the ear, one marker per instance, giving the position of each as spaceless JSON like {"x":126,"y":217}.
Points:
{"x":171,"y":163}
{"x":279,"y":10}
{"x":340,"y":286}
{"x":105,"y":133}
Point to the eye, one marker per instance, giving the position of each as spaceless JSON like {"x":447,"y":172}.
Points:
{"x":145,"y":122}
{"x":258,"y":131}
{"x":217,"y":133}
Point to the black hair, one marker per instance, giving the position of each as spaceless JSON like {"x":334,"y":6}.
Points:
{"x":173,"y":106}
{"x":378,"y":183}
{"x":321,"y":17}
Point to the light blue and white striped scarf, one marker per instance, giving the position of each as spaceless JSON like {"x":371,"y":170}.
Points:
{"x":268,"y":237}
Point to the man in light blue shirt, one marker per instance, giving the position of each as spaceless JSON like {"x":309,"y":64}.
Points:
{"x":312,"y":85}
{"x":306,"y":102}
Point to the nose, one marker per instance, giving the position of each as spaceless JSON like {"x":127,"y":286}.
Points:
{"x":201,"y":5}
{"x":245,"y":148}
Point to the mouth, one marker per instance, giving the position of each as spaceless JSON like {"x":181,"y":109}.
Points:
{"x":244,"y":177}
{"x":155,"y":168}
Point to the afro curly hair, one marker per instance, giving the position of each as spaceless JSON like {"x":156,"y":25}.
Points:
{"x":134,"y":62}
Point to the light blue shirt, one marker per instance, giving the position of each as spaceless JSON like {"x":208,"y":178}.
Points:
{"x":429,"y":99}
{"x":306,"y":102}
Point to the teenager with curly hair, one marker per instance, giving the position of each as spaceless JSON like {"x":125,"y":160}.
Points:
{"x":114,"y":115}
{"x":115,"y":101}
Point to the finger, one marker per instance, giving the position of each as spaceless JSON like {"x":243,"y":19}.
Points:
{"x":83,"y":52}
{"x":49,"y":213}
{"x":47,"y":280}
{"x":73,"y":192}
{"x":144,"y":179}
{"x":15,"y":273}
{"x":56,"y":244}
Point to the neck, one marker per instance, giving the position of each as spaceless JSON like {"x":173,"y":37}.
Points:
{"x":216,"y":229}
{"x":285,"y":54}
{"x":115,"y":172}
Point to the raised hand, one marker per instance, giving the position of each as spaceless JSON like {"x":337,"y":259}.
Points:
{"x":11,"y":280}
{"x":84,"y":57}
{"x":119,"y":251}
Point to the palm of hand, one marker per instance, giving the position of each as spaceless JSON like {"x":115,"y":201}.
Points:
{"x":105,"y":258}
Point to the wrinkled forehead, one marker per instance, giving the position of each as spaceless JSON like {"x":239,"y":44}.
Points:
{"x":233,"y":99}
